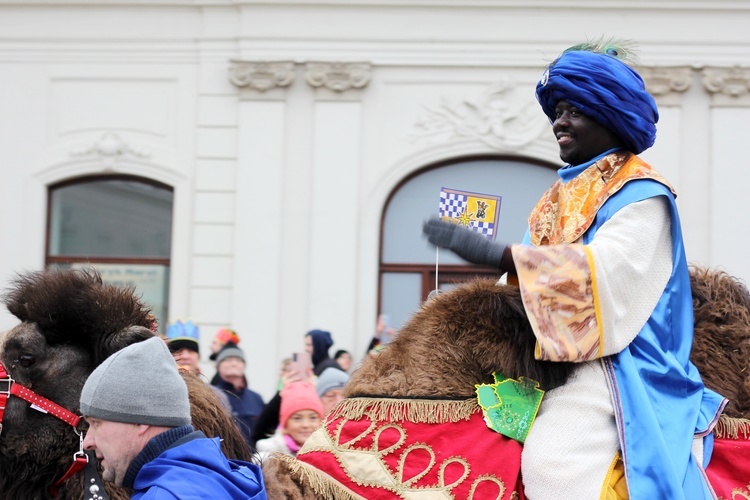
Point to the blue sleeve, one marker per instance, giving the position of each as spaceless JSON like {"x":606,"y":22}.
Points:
{"x":155,"y":493}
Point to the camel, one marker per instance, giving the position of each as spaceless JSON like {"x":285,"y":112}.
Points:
{"x":374,"y":443}
{"x":70,"y":321}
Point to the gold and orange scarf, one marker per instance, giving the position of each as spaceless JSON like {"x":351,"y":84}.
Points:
{"x":568,"y":209}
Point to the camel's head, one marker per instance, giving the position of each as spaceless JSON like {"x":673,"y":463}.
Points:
{"x":69,"y":323}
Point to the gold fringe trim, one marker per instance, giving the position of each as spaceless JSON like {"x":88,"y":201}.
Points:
{"x":731,"y":428}
{"x":418,"y":411}
{"x":321,"y":483}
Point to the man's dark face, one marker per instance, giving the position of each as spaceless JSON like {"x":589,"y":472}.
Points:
{"x":580,"y":138}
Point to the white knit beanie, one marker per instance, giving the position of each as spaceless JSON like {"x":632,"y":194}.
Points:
{"x":229,"y":351}
{"x":331,"y":378}
{"x":139,"y":384}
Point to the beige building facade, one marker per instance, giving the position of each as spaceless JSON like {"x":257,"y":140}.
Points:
{"x":283,"y":130}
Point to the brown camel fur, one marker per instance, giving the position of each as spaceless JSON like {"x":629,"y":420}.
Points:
{"x":70,"y":321}
{"x":459,"y":338}
{"x":721,"y":346}
{"x":454,"y":341}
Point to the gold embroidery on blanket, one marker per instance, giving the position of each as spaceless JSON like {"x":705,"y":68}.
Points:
{"x":359,"y":463}
{"x":567,"y":210}
{"x":739,"y":494}
{"x":558,"y":294}
{"x":501,"y":486}
{"x":405,"y":456}
{"x":323,"y":485}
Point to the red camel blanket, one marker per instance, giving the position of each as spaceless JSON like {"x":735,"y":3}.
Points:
{"x":413,"y":449}
{"x":423,"y":449}
{"x":729,"y":469}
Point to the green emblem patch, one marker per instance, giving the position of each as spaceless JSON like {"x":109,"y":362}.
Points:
{"x":510,"y":406}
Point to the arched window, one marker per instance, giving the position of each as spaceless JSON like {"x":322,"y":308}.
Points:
{"x":121,"y":225}
{"x":407,"y":261}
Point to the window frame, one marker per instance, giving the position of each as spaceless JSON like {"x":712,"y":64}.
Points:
{"x":71,"y":259}
{"x":448,"y":273}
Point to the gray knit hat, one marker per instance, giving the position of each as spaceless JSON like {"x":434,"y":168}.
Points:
{"x":229,"y":351}
{"x":139,"y":384}
{"x":331,"y":378}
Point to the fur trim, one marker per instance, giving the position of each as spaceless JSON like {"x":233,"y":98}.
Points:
{"x":76,"y":307}
{"x":417,"y":411}
{"x":731,"y":428}
{"x":321,"y":483}
{"x":721,"y":344}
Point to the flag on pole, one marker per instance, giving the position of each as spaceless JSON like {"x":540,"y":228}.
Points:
{"x":478,"y":212}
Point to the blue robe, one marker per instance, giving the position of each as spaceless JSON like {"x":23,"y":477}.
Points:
{"x":659,"y":397}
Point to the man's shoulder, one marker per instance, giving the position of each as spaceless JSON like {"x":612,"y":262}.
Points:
{"x":154,"y":493}
{"x":256,"y":396}
{"x":197,"y":468}
{"x":641,"y":189}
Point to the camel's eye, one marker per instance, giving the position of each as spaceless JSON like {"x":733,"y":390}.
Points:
{"x":25,"y":360}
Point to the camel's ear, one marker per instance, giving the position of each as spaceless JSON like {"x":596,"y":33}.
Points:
{"x":110,"y":344}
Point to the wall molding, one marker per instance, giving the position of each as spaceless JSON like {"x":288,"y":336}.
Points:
{"x":492,"y":118}
{"x":338,"y":76}
{"x":261,"y":76}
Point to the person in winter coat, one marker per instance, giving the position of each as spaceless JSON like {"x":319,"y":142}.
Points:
{"x":183,"y":340}
{"x":330,"y":388}
{"x":317,"y":343}
{"x":301,"y":413}
{"x":246,"y":405}
{"x":136,"y":404}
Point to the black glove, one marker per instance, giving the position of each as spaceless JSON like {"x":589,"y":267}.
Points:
{"x":467,"y":244}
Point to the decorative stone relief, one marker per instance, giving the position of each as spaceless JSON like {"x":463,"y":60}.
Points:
{"x":109,"y":148}
{"x":665,"y":80}
{"x":261,"y":76}
{"x":338,"y":76}
{"x":733,"y":82}
{"x":490,"y":117}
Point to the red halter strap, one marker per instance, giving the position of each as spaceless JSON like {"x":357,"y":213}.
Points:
{"x":43,"y":405}
{"x":80,"y":460}
{"x":37,"y":402}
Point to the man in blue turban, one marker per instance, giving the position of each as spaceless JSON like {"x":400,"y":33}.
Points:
{"x":605,"y":284}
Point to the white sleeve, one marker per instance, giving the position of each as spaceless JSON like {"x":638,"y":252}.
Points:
{"x":632,"y":254}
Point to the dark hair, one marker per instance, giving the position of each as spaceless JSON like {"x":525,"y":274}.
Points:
{"x":339,"y":353}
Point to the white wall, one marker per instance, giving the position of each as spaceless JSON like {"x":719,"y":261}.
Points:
{"x":279,"y":194}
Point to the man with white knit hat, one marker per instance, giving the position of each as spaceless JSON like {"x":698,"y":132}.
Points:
{"x":330,"y":387}
{"x":137,"y":407}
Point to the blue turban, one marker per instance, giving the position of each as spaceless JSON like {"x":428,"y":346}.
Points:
{"x":607,"y":90}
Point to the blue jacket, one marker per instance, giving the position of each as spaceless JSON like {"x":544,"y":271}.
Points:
{"x":191,"y":467}
{"x":246,"y":406}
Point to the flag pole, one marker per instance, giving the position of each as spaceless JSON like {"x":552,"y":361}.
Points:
{"x":437,"y":250}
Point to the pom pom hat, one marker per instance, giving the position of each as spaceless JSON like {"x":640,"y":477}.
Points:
{"x":225,"y":335}
{"x":139,"y":384}
{"x":298,"y":396}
